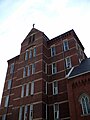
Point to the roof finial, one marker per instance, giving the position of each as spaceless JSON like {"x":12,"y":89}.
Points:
{"x":33,"y":25}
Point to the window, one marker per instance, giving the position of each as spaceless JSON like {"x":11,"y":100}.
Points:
{"x":27,"y":89}
{"x":85,"y":104}
{"x":53,"y":51}
{"x":54,"y":68}
{"x":9,"y":84}
{"x":30,"y":54}
{"x":24,"y":72}
{"x":26,"y":55}
{"x":45,"y":67}
{"x":33,"y":68}
{"x":6,"y":101}
{"x":68,"y":62}
{"x":20,"y":113}
{"x":65,"y":45}
{"x":31,"y":112}
{"x":22,"y":91}
{"x":25,"y":112}
{"x":4,"y":117}
{"x":28,"y":72}
{"x":12,"y":68}
{"x":34,"y":52}
{"x":56,"y":111}
{"x":32,"y":87}
{"x":55,"y":88}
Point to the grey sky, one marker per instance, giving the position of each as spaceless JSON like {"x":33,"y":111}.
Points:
{"x":53,"y":17}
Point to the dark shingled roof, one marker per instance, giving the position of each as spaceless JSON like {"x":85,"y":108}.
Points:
{"x":81,"y":69}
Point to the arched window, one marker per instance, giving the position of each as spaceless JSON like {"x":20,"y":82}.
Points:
{"x":85,"y":103}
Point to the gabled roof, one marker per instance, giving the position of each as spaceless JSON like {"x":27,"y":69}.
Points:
{"x":33,"y":30}
{"x":83,"y":68}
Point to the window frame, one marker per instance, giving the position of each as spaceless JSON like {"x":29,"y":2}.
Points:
{"x":6,"y":101}
{"x":9,"y":83}
{"x":85,"y":105}
{"x":55,"y":87}
{"x":56,"y":111}
{"x":31,"y":112}
{"x":32,"y":87}
{"x":53,"y":51}
{"x":22,"y":91}
{"x":68,"y":64}
{"x":65,"y":45}
{"x":12,"y":68}
{"x":54,"y":68}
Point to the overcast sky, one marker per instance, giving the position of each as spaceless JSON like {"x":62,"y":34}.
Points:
{"x":53,"y":17}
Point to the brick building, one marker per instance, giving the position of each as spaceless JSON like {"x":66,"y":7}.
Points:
{"x":49,"y":80}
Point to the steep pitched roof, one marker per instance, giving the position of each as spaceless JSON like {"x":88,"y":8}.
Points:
{"x":83,"y":68}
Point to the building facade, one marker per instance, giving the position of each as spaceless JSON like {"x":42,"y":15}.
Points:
{"x":42,"y":83}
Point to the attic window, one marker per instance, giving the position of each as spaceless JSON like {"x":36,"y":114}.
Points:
{"x":32,"y":38}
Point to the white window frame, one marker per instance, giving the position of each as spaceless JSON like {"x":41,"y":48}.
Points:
{"x":53,"y":51}
{"x":55,"y":87}
{"x":4,"y":117}
{"x":6,"y":101}
{"x":20,"y":113}
{"x":28,"y":72}
{"x":9,"y":84}
{"x":27,"y":89}
{"x":56,"y":111}
{"x":22,"y":91}
{"x":54,"y":68}
{"x":32,"y":87}
{"x":68,"y":62}
{"x":65,"y":45}
{"x":31,"y":112}
{"x":85,"y":105}
{"x":34,"y":52}
{"x":26,"y":54}
{"x":30,"y":53}
{"x":24,"y":72}
{"x":25,"y":112}
{"x":12,"y":68}
{"x":33,"y":68}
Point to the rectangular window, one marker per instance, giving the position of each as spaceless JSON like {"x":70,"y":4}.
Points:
{"x":53,"y":51}
{"x":65,"y":45}
{"x":24,"y":72}
{"x":30,"y":54}
{"x":55,"y":87}
{"x":31,"y":112}
{"x":6,"y":101}
{"x":22,"y":91}
{"x":33,"y":68}
{"x":20,"y":113}
{"x":25,"y":112}
{"x":12,"y":68}
{"x":4,"y":117}
{"x":54,"y":68}
{"x":32,"y":87}
{"x":9,"y":84}
{"x":34,"y":52}
{"x":68,"y":62}
{"x":26,"y":55}
{"x":56,"y":111}
{"x":28,"y":72}
{"x":27,"y":89}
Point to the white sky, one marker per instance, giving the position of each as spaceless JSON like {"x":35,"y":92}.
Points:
{"x":53,"y":17}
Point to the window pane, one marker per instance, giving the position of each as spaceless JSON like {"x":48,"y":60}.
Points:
{"x":26,"y":55}
{"x":12,"y":68}
{"x":53,"y":51}
{"x":6,"y":100}
{"x":32,"y":87}
{"x":20,"y":113}
{"x":66,"y":47}
{"x":22,"y":92}
{"x":9,"y":84}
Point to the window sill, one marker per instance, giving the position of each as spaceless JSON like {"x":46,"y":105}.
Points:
{"x":85,"y":115}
